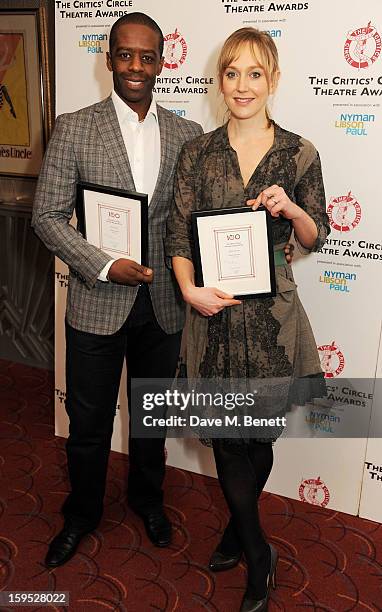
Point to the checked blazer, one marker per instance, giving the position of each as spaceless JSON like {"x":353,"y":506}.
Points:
{"x":87,"y":145}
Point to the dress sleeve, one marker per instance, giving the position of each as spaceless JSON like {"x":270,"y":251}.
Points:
{"x":310,"y":195}
{"x":179,"y":241}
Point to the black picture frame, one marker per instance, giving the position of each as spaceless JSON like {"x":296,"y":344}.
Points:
{"x":142,"y":198}
{"x":268,"y":253}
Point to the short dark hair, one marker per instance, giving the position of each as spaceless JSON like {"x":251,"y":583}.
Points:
{"x":137,"y":19}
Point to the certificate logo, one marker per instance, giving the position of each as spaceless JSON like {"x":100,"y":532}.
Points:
{"x":314,"y":491}
{"x":332,"y":360}
{"x":344,"y":212}
{"x":175,"y":50}
{"x":362,"y":47}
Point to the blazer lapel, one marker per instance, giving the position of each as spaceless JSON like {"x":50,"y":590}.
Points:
{"x":169,"y":153}
{"x":111,"y":136}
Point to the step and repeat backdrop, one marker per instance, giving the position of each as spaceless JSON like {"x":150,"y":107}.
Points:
{"x":330,"y":91}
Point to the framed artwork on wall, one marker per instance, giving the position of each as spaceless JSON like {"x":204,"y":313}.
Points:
{"x":22,"y":133}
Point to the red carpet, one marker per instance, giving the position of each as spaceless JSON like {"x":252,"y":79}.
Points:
{"x":328,"y":561}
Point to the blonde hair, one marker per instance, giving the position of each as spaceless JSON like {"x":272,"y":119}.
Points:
{"x":262,"y":48}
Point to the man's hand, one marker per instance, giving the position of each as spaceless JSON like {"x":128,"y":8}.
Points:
{"x":129,"y":272}
{"x":289,"y":252}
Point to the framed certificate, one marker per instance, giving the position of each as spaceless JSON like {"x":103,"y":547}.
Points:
{"x":234,"y":251}
{"x":114,"y":220}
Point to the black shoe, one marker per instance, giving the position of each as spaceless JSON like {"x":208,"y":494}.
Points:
{"x":64,"y":545}
{"x":221,"y":561}
{"x":249,"y":603}
{"x":158,"y":527}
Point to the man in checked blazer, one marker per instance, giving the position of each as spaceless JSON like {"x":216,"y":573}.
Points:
{"x":119,"y":309}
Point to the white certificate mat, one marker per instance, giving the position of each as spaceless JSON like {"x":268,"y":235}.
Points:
{"x":115,"y":229}
{"x":114,"y":221}
{"x":234,"y":251}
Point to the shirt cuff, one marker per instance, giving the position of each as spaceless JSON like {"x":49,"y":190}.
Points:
{"x":104,"y":272}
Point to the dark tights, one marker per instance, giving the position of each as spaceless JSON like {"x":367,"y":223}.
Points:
{"x":243,"y":470}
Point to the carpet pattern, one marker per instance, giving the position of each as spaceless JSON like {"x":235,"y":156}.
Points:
{"x":329,"y":562}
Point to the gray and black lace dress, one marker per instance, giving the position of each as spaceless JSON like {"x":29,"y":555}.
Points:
{"x":263,"y":338}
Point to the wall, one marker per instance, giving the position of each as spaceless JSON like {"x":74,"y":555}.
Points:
{"x":330,"y":92}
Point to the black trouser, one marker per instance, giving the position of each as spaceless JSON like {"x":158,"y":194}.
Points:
{"x":93,"y":371}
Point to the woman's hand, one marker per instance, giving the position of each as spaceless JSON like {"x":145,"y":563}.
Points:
{"x":208,"y":300}
{"x":277,"y":202}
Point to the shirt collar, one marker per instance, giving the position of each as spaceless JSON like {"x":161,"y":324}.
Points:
{"x":125,"y":113}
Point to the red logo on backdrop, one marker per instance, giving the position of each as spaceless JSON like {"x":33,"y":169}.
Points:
{"x":362,"y":47}
{"x":344,"y":212}
{"x":175,"y":50}
{"x":332,"y":360}
{"x":314,"y":491}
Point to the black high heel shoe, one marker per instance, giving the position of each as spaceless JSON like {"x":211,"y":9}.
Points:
{"x":228,"y":553}
{"x":249,"y":603}
{"x":221,"y":561}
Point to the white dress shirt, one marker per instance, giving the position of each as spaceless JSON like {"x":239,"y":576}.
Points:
{"x":142,"y":142}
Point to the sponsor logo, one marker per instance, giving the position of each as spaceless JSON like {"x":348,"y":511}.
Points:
{"x":180,"y":112}
{"x":93,"y":4}
{"x":344,"y":86}
{"x":337,"y":281}
{"x":362,"y":47}
{"x":92,"y":43}
{"x":175,"y":50}
{"x":181,"y":85}
{"x":274,"y":33}
{"x":348,"y":395}
{"x":322,"y":421}
{"x":365,"y":250}
{"x":314,"y":491}
{"x":62,"y":279}
{"x":244,"y":6}
{"x":354,"y":124}
{"x":374,"y":470}
{"x":344,"y":212}
{"x":60,"y":395}
{"x":332,"y":360}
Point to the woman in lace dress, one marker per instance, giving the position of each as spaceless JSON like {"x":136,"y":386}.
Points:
{"x":249,"y":160}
